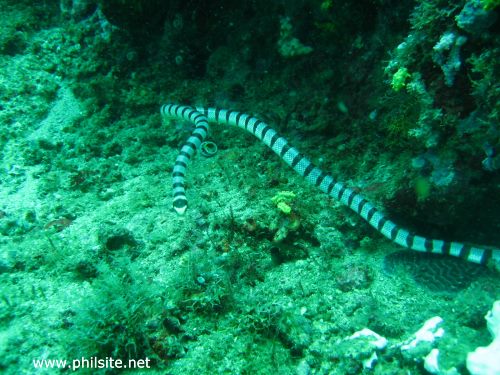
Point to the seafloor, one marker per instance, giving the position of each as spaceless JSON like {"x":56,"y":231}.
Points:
{"x":399,"y":100}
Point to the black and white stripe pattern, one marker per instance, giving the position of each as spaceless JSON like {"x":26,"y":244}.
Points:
{"x":201,"y":116}
{"x":187,"y":151}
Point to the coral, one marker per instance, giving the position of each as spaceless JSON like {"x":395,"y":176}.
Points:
{"x":432,"y":364}
{"x":484,"y":360}
{"x":447,"y":55}
{"x":367,"y":342}
{"x":429,"y":116}
{"x":475,"y":17}
{"x":288,"y":45}
{"x":288,"y":221}
{"x":283,"y":200}
{"x":485,"y":67}
{"x":457,"y":39}
{"x":399,"y":79}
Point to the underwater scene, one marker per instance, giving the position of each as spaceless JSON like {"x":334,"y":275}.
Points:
{"x":250,"y":187}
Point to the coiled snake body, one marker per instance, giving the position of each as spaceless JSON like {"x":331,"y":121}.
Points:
{"x":201,"y":117}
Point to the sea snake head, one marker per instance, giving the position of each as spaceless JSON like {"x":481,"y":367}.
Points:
{"x":180,"y":209}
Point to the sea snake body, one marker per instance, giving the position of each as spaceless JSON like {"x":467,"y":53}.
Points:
{"x":201,"y":117}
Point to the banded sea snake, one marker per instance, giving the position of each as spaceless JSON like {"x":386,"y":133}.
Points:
{"x":201,"y":117}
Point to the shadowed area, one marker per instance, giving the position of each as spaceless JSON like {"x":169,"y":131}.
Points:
{"x":435,"y":272}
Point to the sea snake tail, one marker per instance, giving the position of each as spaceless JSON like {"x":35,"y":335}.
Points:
{"x":201,"y":116}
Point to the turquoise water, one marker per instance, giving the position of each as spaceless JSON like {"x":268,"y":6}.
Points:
{"x":263,"y":273}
